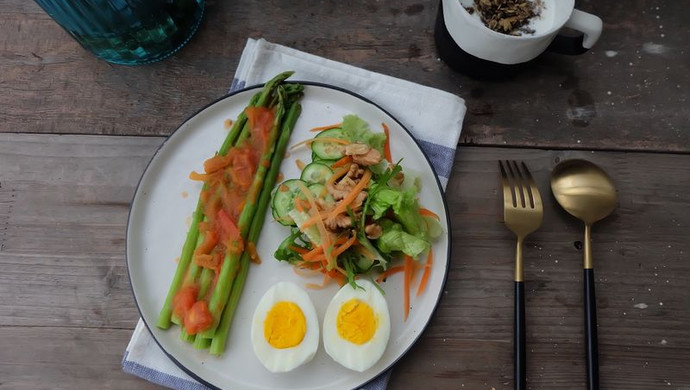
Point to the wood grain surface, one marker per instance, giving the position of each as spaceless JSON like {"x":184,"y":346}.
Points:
{"x":629,"y":93}
{"x":66,"y":309}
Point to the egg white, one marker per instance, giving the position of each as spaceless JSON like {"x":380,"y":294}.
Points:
{"x":287,"y":359}
{"x":350,"y":355}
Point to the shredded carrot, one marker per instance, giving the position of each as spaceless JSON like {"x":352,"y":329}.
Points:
{"x":428,"y":213}
{"x":337,"y":251}
{"x":427,"y":272}
{"x":298,"y":249}
{"x":331,"y":180}
{"x":330,"y":139}
{"x":387,"y":144}
{"x":413,"y":275}
{"x":297,"y":145}
{"x":337,"y":175}
{"x":342,"y":161}
{"x":322,"y":128}
{"x":325,"y":235}
{"x":326,"y":279}
{"x":318,"y":258}
{"x":312,"y":254}
{"x":306,"y":270}
{"x":406,"y":287}
{"x":390,"y":271}
{"x":320,"y":139}
{"x":342,"y":205}
{"x":300,"y":164}
{"x":253,"y":255}
{"x":338,"y":274}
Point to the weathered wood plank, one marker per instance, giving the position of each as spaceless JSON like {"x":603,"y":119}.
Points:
{"x":65,"y":358}
{"x":630,"y":92}
{"x":640,"y":256}
{"x":63,"y":207}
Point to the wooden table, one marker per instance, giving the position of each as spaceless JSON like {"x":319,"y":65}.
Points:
{"x":76,"y":134}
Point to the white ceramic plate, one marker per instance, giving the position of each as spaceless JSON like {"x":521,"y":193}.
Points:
{"x":158,"y":224}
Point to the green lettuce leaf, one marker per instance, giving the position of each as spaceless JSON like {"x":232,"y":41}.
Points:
{"x":404,"y":204}
{"x":395,"y":239}
{"x":358,"y":130}
{"x":284,"y":251}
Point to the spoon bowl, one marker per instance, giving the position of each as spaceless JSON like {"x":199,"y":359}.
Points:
{"x":584,"y":190}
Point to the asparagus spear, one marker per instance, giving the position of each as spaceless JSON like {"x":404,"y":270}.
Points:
{"x":164,"y":317}
{"x":201,"y":343}
{"x":184,"y":272}
{"x":190,"y":243}
{"x":268,"y":98}
{"x":221,"y":335}
{"x":229,"y":268}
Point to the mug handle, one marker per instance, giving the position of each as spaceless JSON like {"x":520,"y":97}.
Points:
{"x":589,"y":27}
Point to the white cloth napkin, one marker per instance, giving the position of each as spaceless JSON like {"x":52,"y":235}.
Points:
{"x":434,"y":117}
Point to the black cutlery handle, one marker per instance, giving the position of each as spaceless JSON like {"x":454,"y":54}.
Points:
{"x":591,"y":340}
{"x":520,"y":357}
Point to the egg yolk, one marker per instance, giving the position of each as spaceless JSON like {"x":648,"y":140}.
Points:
{"x":285,"y":325}
{"x":356,"y":322}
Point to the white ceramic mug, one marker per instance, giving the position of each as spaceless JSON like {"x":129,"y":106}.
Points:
{"x":471,"y":35}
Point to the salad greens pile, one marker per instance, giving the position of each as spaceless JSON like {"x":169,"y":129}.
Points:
{"x":391,"y":205}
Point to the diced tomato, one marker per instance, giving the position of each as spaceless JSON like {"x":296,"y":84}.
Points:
{"x":184,"y":300}
{"x":198,"y":318}
{"x":227,"y":226}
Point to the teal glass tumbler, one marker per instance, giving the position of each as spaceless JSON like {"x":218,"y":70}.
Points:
{"x":128,"y":32}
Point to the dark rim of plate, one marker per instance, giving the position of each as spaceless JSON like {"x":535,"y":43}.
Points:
{"x":306,"y":83}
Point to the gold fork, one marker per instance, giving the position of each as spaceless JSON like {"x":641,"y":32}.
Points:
{"x":522,"y":212}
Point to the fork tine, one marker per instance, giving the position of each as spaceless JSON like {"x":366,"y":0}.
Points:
{"x":508,"y":195}
{"x":517,"y":183}
{"x":524,"y":185}
{"x":533,"y":185}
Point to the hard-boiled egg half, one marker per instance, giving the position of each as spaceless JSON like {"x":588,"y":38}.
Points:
{"x":285,"y":329}
{"x":357,"y":326}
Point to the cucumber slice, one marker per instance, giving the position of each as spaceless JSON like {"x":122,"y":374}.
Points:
{"x":284,"y":201}
{"x":315,"y":158}
{"x":319,"y":191}
{"x":312,"y":232}
{"x":329,"y":150}
{"x":316,"y":173}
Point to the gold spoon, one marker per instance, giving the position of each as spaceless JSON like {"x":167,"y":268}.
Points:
{"x":585,"y":191}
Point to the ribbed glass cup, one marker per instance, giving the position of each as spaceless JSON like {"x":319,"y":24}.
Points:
{"x":128,"y":32}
